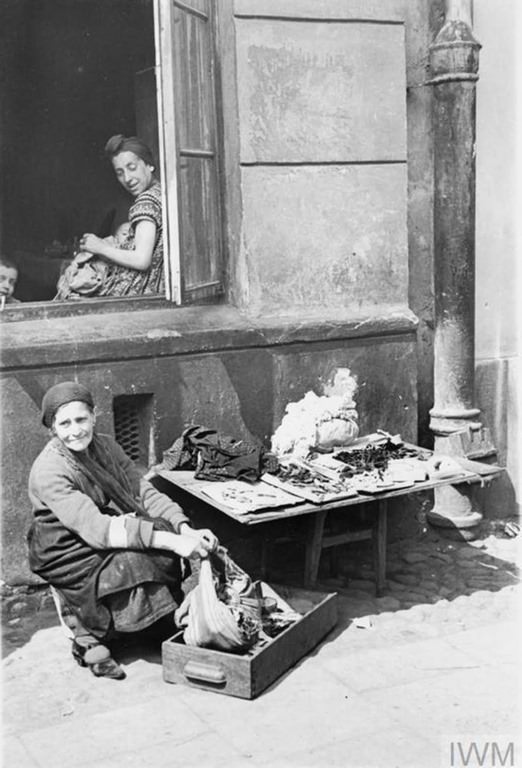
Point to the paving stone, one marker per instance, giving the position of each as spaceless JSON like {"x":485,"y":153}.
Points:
{"x":441,"y":603}
{"x":15,"y":755}
{"x":396,"y":586}
{"x":364,"y":584}
{"x":399,"y":746}
{"x":413,"y":596}
{"x":473,"y":581}
{"x":18,"y":607}
{"x":429,"y":585}
{"x":388,"y":603}
{"x":441,"y":556}
{"x":406,"y":578}
{"x":333,"y":583}
{"x":358,"y":593}
{"x":469,"y":553}
{"x":414,"y":557}
{"x":466,"y":564}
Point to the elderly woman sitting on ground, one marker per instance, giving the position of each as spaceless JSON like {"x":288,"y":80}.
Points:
{"x":105,"y":539}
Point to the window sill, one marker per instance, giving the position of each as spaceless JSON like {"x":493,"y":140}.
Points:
{"x":44,"y":310}
{"x":156,"y":328}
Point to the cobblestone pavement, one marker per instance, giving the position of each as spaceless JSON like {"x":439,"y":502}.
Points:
{"x":429,"y":581}
{"x":433,"y":585}
{"x":436,"y":656}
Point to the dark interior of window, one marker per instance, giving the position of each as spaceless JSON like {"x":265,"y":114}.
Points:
{"x":75,"y":72}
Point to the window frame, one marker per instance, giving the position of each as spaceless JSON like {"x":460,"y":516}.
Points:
{"x":167,"y":138}
{"x":171,"y":152}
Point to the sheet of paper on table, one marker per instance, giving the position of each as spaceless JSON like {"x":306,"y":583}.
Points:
{"x":309,"y":491}
{"x":243,"y":497}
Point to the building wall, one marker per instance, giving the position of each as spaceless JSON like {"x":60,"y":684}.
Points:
{"x":326,"y":209}
{"x":497,"y":260}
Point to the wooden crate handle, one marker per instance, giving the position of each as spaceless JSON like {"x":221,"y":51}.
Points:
{"x":206,"y":673}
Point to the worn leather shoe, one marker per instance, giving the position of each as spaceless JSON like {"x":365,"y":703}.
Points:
{"x":97,"y":657}
{"x":108,"y":668}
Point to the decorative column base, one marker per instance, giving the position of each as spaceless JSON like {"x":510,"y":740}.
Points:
{"x":455,"y":510}
{"x":454,"y":513}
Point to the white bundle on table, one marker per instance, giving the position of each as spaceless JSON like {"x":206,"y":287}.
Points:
{"x":319,"y":423}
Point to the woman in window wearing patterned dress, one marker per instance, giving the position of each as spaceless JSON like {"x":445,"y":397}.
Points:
{"x":136,"y":267}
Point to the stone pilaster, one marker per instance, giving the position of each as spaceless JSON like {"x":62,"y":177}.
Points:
{"x":455,"y":421}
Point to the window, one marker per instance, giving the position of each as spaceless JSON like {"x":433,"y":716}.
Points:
{"x":79,"y":72}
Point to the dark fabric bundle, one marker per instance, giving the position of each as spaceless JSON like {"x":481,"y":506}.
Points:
{"x":214,"y":456}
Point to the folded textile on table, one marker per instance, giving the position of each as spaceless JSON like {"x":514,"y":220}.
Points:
{"x":215,"y":456}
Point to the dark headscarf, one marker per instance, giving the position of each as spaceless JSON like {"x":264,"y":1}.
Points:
{"x":61,"y":394}
{"x":120,"y":143}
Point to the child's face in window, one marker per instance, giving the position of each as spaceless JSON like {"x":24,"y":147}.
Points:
{"x":8,"y":277}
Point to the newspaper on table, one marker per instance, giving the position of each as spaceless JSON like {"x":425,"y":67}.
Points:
{"x":243,"y":497}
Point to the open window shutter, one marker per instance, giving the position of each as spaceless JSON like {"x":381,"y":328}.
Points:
{"x":189,"y":105}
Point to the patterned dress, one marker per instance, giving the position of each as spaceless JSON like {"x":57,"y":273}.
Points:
{"x":124,"y":281}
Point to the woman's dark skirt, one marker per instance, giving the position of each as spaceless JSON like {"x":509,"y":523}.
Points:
{"x":110,"y":591}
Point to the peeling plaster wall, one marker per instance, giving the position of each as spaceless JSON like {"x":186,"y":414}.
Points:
{"x":322,"y":150}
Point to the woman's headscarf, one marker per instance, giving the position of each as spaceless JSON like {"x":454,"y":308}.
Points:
{"x":120,"y":143}
{"x":61,"y":394}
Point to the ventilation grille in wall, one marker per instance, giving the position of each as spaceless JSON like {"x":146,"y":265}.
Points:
{"x":133,"y":426}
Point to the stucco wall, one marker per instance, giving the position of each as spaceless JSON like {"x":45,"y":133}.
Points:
{"x":321,"y":101}
{"x":497,"y":226}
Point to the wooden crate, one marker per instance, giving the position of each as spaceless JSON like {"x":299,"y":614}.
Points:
{"x":247,"y":675}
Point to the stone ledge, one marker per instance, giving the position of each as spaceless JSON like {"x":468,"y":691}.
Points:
{"x":163,"y":332}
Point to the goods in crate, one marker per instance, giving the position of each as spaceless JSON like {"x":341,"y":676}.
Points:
{"x":297,"y":623}
{"x":227,"y":611}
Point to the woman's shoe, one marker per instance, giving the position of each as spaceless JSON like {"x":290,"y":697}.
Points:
{"x":108,"y":668}
{"x":99,"y":660}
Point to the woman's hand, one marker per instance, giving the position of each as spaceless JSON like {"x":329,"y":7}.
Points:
{"x":92,"y":243}
{"x":187,"y":543}
{"x":190,"y":546}
{"x":206,"y":538}
{"x":82,"y":256}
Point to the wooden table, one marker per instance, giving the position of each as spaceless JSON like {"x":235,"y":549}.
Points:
{"x":316,"y":539}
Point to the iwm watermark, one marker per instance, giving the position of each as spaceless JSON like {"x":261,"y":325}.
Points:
{"x":480,"y":752}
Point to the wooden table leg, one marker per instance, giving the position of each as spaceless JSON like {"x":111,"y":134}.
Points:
{"x":313,"y":547}
{"x":379,"y":546}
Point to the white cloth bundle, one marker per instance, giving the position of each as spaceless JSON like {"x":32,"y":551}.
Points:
{"x":222,"y":610}
{"x":319,"y":422}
